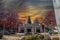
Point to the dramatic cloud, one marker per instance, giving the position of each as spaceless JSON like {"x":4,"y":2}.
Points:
{"x":19,"y":3}
{"x":13,"y":3}
{"x":33,"y":8}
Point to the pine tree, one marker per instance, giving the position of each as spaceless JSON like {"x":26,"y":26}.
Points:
{"x":36,"y":21}
{"x":29,"y":20}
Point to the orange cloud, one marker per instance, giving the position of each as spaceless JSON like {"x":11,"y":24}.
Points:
{"x":33,"y":13}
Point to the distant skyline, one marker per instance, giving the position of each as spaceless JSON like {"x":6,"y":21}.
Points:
{"x":32,"y":8}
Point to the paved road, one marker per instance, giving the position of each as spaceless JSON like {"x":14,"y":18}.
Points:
{"x":12,"y":37}
{"x":52,"y":37}
{"x":18,"y":36}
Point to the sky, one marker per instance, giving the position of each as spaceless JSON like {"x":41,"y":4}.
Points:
{"x":33,"y":8}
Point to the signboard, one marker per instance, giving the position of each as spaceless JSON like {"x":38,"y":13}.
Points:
{"x":57,"y":14}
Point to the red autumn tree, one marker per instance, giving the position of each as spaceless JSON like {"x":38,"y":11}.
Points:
{"x":50,"y":19}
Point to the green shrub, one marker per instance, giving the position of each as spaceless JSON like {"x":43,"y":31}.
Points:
{"x":55,"y":33}
{"x":23,"y":38}
{"x":47,"y":37}
{"x":34,"y":37}
{"x":41,"y":36}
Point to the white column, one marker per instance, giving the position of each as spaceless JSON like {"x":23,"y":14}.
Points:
{"x":35,"y":29}
{"x":32,"y":30}
{"x":25,"y":31}
{"x":19,"y":29}
{"x":40,"y":27}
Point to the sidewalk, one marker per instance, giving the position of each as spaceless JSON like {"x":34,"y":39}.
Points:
{"x":12,"y":37}
{"x":1,"y":39}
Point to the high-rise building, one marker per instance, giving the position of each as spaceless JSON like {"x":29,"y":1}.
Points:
{"x":56,"y":3}
{"x":57,"y":13}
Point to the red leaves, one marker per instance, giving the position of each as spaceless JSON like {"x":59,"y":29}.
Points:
{"x":50,"y":19}
{"x":7,"y":23}
{"x":51,"y":14}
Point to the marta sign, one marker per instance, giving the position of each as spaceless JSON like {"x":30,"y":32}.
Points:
{"x":56,"y":4}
